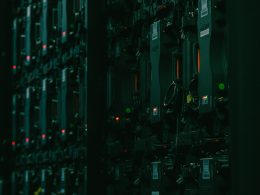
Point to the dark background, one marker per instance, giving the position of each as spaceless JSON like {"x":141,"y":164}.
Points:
{"x":244,"y":52}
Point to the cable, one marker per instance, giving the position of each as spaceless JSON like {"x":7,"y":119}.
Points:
{"x":172,"y":94}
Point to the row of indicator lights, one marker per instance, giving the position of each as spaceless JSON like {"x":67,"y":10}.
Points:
{"x":43,"y":137}
{"x":44,"y":46}
{"x":28,"y":58}
{"x":63,"y":131}
{"x":117,"y":119}
{"x":26,"y":140}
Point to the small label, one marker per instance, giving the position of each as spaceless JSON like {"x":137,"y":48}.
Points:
{"x":29,"y":11}
{"x":15,"y":23}
{"x":43,"y":175}
{"x":63,"y":174}
{"x":204,"y":8}
{"x":206,"y":170}
{"x":156,"y":193}
{"x":44,"y":81}
{"x":117,"y":171}
{"x":13,"y":176}
{"x":14,"y":101}
{"x":26,"y":176}
{"x":44,"y":6}
{"x":155,"y":31}
{"x":63,"y":177}
{"x":204,"y":32}
{"x":64,"y":75}
{"x":28,"y":93}
{"x":155,"y":173}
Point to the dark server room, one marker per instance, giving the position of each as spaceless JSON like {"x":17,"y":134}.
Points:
{"x":129,"y":97}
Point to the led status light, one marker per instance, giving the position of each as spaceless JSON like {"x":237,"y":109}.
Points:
{"x":221,"y":86}
{"x":14,"y":67}
{"x":44,"y":46}
{"x":155,"y":111}
{"x":28,"y":58}
{"x":128,"y":110}
{"x":13,"y":143}
{"x":117,"y":118}
{"x":63,"y":131}
{"x":43,"y":136}
{"x":64,"y":33}
{"x":27,"y":140}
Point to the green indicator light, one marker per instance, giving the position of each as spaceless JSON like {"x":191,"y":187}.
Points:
{"x":128,"y":110}
{"x":221,"y":86}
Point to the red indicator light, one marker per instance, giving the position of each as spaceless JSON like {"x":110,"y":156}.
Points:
{"x":63,"y":131}
{"x":198,"y":61}
{"x":64,"y":33}
{"x":117,"y":118}
{"x":13,"y":143}
{"x":44,"y":46}
{"x":14,"y":67}
{"x":43,"y":136}
{"x":27,"y":139}
{"x":28,"y":58}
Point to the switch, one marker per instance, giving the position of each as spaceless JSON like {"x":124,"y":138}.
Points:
{"x":43,"y":111}
{"x":14,"y":45}
{"x":27,"y":116}
{"x":64,"y":103}
{"x":28,"y":35}
{"x":44,"y":26}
